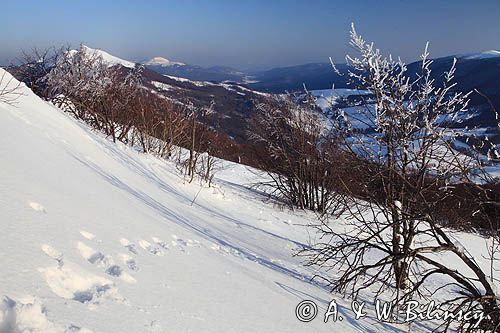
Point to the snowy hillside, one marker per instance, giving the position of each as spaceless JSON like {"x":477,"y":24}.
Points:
{"x":100,"y":238}
{"x":97,"y":237}
{"x":111,"y":60}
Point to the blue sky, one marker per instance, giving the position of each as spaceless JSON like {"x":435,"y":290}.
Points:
{"x":249,"y":32}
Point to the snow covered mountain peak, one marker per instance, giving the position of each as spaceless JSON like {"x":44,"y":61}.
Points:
{"x":484,"y":55}
{"x":160,"y":61}
{"x":110,"y":59}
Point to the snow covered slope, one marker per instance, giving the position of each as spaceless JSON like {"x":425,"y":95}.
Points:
{"x":109,"y":59}
{"x":97,"y":237}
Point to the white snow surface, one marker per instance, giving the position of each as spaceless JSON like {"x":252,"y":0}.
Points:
{"x":160,"y":61}
{"x":326,"y":98}
{"x":162,"y":86}
{"x":484,"y":55}
{"x":97,"y":237}
{"x":196,"y":83}
{"x":109,"y":59}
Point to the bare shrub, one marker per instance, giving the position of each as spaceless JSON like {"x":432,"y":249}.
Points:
{"x":199,"y":141}
{"x":10,"y":90}
{"x":393,"y":240}
{"x":300,"y":154}
{"x":34,"y":65}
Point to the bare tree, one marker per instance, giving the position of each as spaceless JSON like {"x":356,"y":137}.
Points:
{"x":394,"y":237}
{"x":199,"y":141}
{"x":77,"y":82}
{"x":34,"y":65}
{"x":300,"y":154}
{"x":10,"y":88}
{"x":159,"y":125}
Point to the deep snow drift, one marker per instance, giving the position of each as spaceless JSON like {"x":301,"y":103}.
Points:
{"x":98,"y":237}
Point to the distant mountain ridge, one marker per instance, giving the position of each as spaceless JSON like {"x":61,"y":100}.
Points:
{"x":484,"y":55}
{"x":198,"y":73}
{"x":477,"y":72}
{"x":235,"y":99}
{"x":193,"y":72}
{"x":160,"y":61}
{"x":108,"y":58}
{"x":314,"y":76}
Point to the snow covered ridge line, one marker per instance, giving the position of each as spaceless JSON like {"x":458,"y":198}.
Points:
{"x":159,"y":61}
{"x":483,"y":55}
{"x":111,"y":60}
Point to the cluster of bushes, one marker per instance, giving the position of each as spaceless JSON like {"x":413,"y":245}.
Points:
{"x":299,"y":154}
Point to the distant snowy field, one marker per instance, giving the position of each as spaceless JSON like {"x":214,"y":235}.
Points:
{"x":358,"y":116}
{"x":97,"y":237}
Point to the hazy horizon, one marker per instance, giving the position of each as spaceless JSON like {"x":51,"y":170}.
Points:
{"x":250,"y":34}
